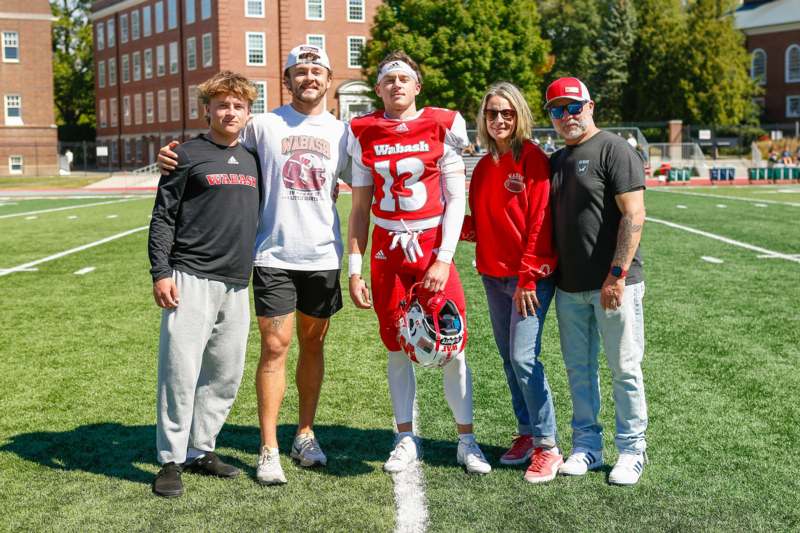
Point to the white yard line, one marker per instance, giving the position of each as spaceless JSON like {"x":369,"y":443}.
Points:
{"x":84,"y":270}
{"x":788,"y":257}
{"x":3,"y":270}
{"x":65,"y":208}
{"x":23,"y":267}
{"x":709,"y":259}
{"x":411,"y":506}
{"x":721,"y":196}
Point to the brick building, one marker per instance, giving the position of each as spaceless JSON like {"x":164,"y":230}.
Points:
{"x":772,"y":29}
{"x":150,"y":55}
{"x":28,"y":135}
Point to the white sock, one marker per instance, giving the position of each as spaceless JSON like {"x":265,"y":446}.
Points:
{"x":466,"y":437}
{"x":458,"y":388}
{"x":402,"y":386}
{"x":193,"y":454}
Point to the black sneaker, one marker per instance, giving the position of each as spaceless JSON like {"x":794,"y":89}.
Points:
{"x":168,"y":481}
{"x":211,"y":465}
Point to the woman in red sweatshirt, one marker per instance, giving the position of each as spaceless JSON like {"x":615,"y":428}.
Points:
{"x":511,"y":225}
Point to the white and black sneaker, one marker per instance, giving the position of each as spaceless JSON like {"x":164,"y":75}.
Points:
{"x":628,"y":469}
{"x":581,"y":461}
{"x":307,"y":452}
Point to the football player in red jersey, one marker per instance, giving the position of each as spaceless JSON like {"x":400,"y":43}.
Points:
{"x":409,"y":162}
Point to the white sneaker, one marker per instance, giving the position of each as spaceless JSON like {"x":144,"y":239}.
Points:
{"x":628,"y":469}
{"x":269,"y":471}
{"x":406,"y":451}
{"x":306,"y":450}
{"x":470,"y":455}
{"x":581,"y":461}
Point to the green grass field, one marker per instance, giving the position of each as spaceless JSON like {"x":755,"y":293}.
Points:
{"x":722,"y":373}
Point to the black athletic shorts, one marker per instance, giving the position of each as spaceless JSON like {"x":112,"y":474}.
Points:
{"x":279,"y":292}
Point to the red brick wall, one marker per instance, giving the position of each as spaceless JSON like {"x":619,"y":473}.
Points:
{"x":776,"y":88}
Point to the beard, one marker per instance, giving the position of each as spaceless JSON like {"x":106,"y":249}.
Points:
{"x":574,"y":129}
{"x":298,"y":93}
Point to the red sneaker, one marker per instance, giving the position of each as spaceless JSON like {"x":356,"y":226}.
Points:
{"x":520,"y":451}
{"x":544,"y":465}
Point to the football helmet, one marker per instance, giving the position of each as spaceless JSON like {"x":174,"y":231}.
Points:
{"x":431,"y":330}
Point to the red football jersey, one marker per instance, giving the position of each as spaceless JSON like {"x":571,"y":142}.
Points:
{"x":403,"y":159}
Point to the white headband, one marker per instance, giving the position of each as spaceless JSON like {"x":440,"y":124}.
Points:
{"x":397,"y":66}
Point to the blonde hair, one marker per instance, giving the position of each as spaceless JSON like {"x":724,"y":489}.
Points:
{"x":400,"y":55}
{"x":522,"y":132}
{"x":227,"y":83}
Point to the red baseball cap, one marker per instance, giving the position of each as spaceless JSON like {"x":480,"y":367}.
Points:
{"x":571,"y":88}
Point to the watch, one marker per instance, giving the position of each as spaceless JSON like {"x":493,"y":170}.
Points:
{"x":618,"y":272}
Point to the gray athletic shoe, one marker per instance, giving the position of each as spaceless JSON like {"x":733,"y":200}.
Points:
{"x":269,"y":471}
{"x":307,"y":452}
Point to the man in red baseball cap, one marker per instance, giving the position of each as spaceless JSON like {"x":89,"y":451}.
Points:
{"x":597,"y":201}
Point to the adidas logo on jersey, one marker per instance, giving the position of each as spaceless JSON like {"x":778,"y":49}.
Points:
{"x":380,"y":255}
{"x":232,"y":161}
{"x":402,"y":128}
{"x":397,"y":148}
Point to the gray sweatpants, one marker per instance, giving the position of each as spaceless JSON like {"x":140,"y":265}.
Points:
{"x":200,"y":363}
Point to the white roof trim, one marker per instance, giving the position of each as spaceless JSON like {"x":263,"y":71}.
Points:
{"x":773,"y":15}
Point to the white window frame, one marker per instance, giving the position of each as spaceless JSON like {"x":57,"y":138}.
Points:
{"x":147,"y":21}
{"x":207,"y":37}
{"x":174,"y":57}
{"x":101,"y":74}
{"x":9,"y":36}
{"x":322,"y":9}
{"x":123,"y":28}
{"x":205,"y":9}
{"x":126,"y":110}
{"x":7,"y":100}
{"x":161,"y":100}
{"x":193,"y":106}
{"x":261,"y":95}
{"x":137,"y":109}
{"x":172,"y":14}
{"x":158,"y":15}
{"x":161,"y":61}
{"x":148,"y":65}
{"x":363,"y":11}
{"x":189,"y":8}
{"x":113,"y":115}
{"x":175,"y":104}
{"x":112,"y":71}
{"x":319,"y":36}
{"x":350,"y":39}
{"x":249,"y":49}
{"x":136,"y":28}
{"x":247,"y":12}
{"x":124,"y":67}
{"x":789,"y":98}
{"x":100,"y":35}
{"x":111,"y":33}
{"x":788,"y":75}
{"x":763,"y":79}
{"x":149,"y":108}
{"x":191,"y":53}
{"x":12,"y":163}
{"x":136,"y":61}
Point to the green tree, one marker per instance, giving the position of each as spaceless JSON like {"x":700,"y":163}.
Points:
{"x":572,"y":26}
{"x":715,"y":81}
{"x":614,"y":46}
{"x":654,"y":69}
{"x":462,"y":47}
{"x":73,"y":70}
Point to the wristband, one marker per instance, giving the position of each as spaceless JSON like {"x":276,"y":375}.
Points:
{"x":354,"y":267}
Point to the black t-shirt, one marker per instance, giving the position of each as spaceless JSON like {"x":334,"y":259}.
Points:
{"x":206,"y":213}
{"x":585,"y":179}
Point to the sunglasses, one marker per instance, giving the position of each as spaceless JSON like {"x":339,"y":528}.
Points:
{"x":492,"y":114}
{"x":572,"y":108}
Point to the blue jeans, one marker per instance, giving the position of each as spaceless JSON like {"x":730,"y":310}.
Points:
{"x":519,"y":340}
{"x":582,"y":322}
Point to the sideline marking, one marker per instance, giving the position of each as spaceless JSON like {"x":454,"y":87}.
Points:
{"x":3,"y":270}
{"x":723,"y":197}
{"x":411,"y":506}
{"x":24,"y":267}
{"x":788,"y":257}
{"x":709,"y":259}
{"x":769,"y":256}
{"x":53,"y":210}
{"x":83,"y":271}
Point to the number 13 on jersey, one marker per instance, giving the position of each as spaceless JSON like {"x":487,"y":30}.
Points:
{"x":401,"y":187}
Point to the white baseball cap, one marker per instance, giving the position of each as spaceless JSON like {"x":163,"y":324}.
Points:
{"x":307,"y":53}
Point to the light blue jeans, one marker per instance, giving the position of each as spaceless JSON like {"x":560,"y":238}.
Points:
{"x":519,"y":340}
{"x":582,"y":322}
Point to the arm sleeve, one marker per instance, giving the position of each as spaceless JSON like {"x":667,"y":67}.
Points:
{"x":456,"y":135}
{"x":165,"y":212}
{"x":360,"y":173}
{"x":539,"y":257}
{"x":454,"y":184}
